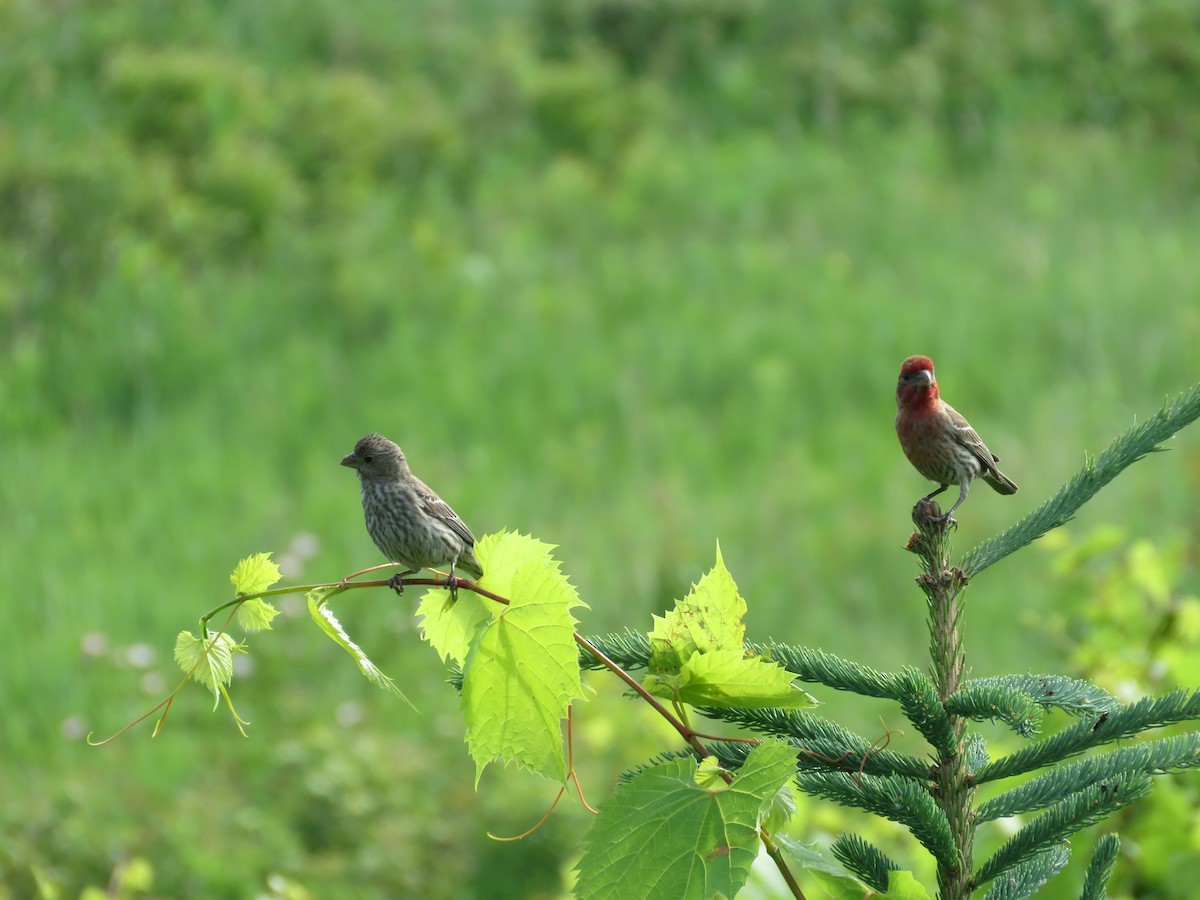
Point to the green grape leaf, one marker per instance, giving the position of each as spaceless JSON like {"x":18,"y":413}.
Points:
{"x":254,"y":573}
{"x":780,"y":810}
{"x":666,"y":685}
{"x":698,"y":656}
{"x":710,"y":775}
{"x":521,"y":670}
{"x":256,"y":615}
{"x":661,"y":835}
{"x":768,"y":767}
{"x":903,"y":886}
{"x":831,"y":875}
{"x":324,"y":617}
{"x":727,"y":678}
{"x":708,"y":619}
{"x":836,"y":887}
{"x":451,"y":627}
{"x":810,"y":858}
{"x":209,"y":661}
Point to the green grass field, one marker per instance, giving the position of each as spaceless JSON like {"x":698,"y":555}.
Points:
{"x":223,"y":261}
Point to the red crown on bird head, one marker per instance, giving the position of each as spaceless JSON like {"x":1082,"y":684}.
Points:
{"x":916,"y":364}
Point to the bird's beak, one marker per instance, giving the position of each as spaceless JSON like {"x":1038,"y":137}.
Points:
{"x":922,"y":377}
{"x":349,"y":460}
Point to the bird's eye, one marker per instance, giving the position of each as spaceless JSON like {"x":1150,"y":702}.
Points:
{"x":368,"y":459}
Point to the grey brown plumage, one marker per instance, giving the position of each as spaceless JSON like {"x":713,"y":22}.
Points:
{"x":406,"y":519}
{"x":938,"y":440}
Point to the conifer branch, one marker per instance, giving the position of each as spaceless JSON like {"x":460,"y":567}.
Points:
{"x":975,"y":752}
{"x":920,"y":701}
{"x":868,"y":863}
{"x":629,"y":649}
{"x":815,"y":666}
{"x":1096,"y":473}
{"x":1174,"y":754}
{"x":1078,"y":811}
{"x":1124,"y":722}
{"x":1026,"y":878}
{"x":1100,"y":869}
{"x":903,"y":800}
{"x":825,"y":743}
{"x":1078,"y":698}
{"x":990,"y":701}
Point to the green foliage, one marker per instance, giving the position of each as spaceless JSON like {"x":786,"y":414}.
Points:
{"x":1100,"y":869}
{"x":963,"y":71}
{"x":919,"y":699}
{"x":1175,"y":754}
{"x":1061,"y":819}
{"x":903,"y":886}
{"x":824,"y":740}
{"x":781,"y":810}
{"x":1117,"y":583}
{"x":521,"y":673}
{"x":663,"y":835}
{"x":328,"y":623}
{"x":1012,"y":707}
{"x":1148,"y":712}
{"x":1026,"y":878}
{"x":1114,"y":583}
{"x":209,"y":661}
{"x":251,"y":576}
{"x":1079,"y":698}
{"x":519,"y":670}
{"x":707,"y":620}
{"x":1020,"y":700}
{"x":903,"y":800}
{"x":729,"y":678}
{"x":815,"y":665}
{"x":871,"y":866}
{"x":697,"y":652}
{"x":837,"y":884}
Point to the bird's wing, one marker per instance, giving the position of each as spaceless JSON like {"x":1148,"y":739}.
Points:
{"x":969,"y":438}
{"x":435,"y":506}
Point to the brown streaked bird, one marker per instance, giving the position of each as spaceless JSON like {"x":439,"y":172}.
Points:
{"x":937,"y":440}
{"x":406,"y":519}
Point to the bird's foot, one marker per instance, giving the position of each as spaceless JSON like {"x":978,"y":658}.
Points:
{"x":946,"y":521}
{"x":927,"y":511}
{"x":396,"y":582}
{"x":452,"y":585}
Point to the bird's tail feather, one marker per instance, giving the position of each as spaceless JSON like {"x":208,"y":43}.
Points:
{"x":1001,"y":482}
{"x":468,"y":563}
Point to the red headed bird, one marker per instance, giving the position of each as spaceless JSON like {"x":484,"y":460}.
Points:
{"x":937,"y":440}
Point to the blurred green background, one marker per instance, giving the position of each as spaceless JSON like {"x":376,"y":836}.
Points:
{"x":631,"y":276}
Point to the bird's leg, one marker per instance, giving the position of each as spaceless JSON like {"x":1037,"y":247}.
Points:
{"x":929,"y":497}
{"x":396,"y":582}
{"x":452,"y":581}
{"x":963,"y":487}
